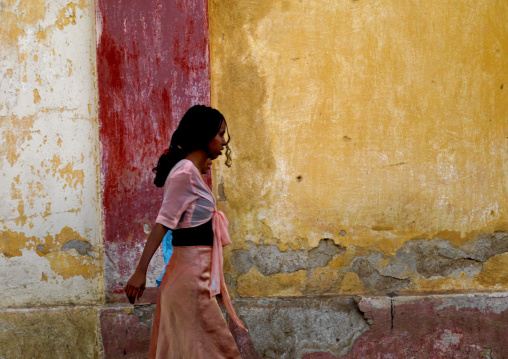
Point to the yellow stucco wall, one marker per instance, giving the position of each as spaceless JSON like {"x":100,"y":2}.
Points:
{"x":371,"y":123}
{"x":50,"y":244}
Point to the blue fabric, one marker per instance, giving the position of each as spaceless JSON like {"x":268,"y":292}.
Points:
{"x":167,"y":251}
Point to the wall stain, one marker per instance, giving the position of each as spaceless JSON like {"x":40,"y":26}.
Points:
{"x":32,"y":11}
{"x":10,"y":29}
{"x":37,"y":97}
{"x":16,"y":132}
{"x":17,"y":195}
{"x":241,"y":98}
{"x":220,"y":190}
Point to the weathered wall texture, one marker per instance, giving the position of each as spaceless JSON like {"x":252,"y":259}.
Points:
{"x":50,"y":213}
{"x":51,"y":333}
{"x":370,"y":144}
{"x":153,"y":64}
{"x":50,"y":245}
{"x":370,"y":157}
{"x":332,"y":327}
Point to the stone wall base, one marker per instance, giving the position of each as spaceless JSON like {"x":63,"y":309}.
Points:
{"x":50,"y":333}
{"x":327,"y":327}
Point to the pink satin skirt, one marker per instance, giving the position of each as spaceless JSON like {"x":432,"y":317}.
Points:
{"x":188,"y":324}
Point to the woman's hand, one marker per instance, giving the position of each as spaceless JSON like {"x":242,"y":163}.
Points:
{"x":135,"y":286}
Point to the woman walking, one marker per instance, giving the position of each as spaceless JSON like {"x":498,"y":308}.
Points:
{"x":188,"y":323}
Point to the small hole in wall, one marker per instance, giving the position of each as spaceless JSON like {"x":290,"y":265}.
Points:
{"x":299,"y":178}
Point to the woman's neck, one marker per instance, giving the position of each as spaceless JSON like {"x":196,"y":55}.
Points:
{"x":199,"y":159}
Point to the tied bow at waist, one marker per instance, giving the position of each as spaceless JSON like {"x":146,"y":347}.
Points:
{"x":217,"y":282}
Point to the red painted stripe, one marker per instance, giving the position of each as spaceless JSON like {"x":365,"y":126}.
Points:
{"x":153,"y":64}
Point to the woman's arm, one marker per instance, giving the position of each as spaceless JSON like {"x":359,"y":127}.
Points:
{"x":136,"y":284}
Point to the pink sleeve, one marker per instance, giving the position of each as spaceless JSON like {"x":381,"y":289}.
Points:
{"x":178,"y":194}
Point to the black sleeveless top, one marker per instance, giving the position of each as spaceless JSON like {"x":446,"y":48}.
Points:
{"x":195,"y":236}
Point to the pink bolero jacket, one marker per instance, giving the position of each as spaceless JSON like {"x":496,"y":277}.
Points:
{"x":189,"y":202}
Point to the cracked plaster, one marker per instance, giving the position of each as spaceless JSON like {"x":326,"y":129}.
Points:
{"x":262,"y":270}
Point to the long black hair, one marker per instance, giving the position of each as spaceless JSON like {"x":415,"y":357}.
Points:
{"x":198,"y":127}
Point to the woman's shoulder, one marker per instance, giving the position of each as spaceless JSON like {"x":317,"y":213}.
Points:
{"x":180,"y":173}
{"x":183,"y":167}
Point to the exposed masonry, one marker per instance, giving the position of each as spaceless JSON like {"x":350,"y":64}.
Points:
{"x":426,"y":258}
{"x":289,"y":328}
{"x":374,"y":281}
{"x":82,"y":247}
{"x":270,"y":260}
{"x":145,"y":313}
{"x":497,"y":302}
{"x":438,"y":257}
{"x":417,"y":258}
{"x":220,"y":189}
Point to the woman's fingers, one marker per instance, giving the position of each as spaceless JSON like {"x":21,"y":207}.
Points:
{"x":135,"y":286}
{"x":132,"y":296}
{"x":130,"y":292}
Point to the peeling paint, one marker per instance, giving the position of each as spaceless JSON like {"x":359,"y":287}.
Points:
{"x":351,"y":283}
{"x":495,"y":272}
{"x":270,"y":259}
{"x":63,"y":264}
{"x":153,"y":64}
{"x":82,"y":247}
{"x":49,"y":155}
{"x":254,"y":284}
{"x":67,"y":16}
{"x":420,"y":264}
{"x":341,"y":131}
{"x":10,"y":243}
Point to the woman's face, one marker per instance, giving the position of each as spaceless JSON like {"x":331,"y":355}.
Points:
{"x":217,"y":144}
